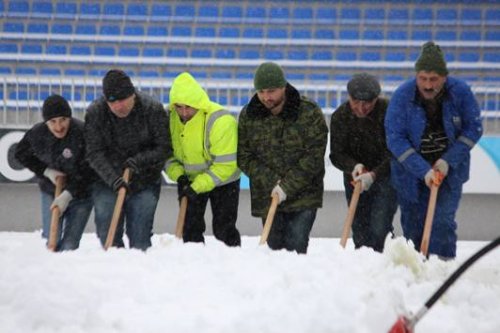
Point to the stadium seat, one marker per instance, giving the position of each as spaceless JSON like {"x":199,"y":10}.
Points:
{"x":301,"y":34}
{"x":279,"y":13}
{"x":249,"y":54}
{"x":297,"y":55}
{"x":491,"y":57}
{"x":225,"y":53}
{"x":470,"y":35}
{"x":210,"y":12}
{"x":232,"y":12}
{"x":326,"y":14}
{"x":445,"y":35}
{"x":8,"y":48}
{"x":421,"y":35}
{"x":395,"y":56}
{"x":229,"y":32}
{"x":15,"y":27}
{"x":276,"y":33}
{"x":349,"y":34}
{"x":66,"y":9}
{"x":42,"y":8}
{"x":18,"y":8}
{"x":90,"y":10}
{"x":319,"y":77}
{"x":468,"y":56}
{"x":201,"y":53}
{"x":470,"y":16}
{"x":25,"y":71}
{"x":271,"y":54}
{"x":181,"y":31}
{"x":55,"y":49}
{"x":492,"y":35}
{"x":373,"y":34}
{"x":253,"y":32}
{"x":374,"y":15}
{"x":110,"y":30}
{"x":38,"y":28}
{"x":302,"y":13}
{"x":446,"y":15}
{"x":160,"y":11}
{"x":86,"y":29}
{"x":31,"y":48}
{"x":255,"y":13}
{"x":152,"y":52}
{"x":346,"y":56}
{"x":204,"y":31}
{"x":322,"y":55}
{"x":113,"y":9}
{"x":80,"y":50}
{"x":324,"y":34}
{"x":104,"y":51}
{"x":350,"y":14}
{"x":133,"y":30}
{"x":224,"y":75}
{"x":184,"y":11}
{"x":61,"y":28}
{"x":157,"y":31}
{"x":370,"y":56}
{"x":177,"y":53}
{"x":400,"y":35}
{"x":492,"y":15}
{"x":137,"y":11}
{"x":422,"y":15}
{"x":50,"y":71}
{"x":128,"y":51}
{"x":74,"y":72}
{"x":147,"y":73}
{"x":398,"y":16}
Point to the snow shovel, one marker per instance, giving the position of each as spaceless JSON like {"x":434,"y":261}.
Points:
{"x":269,"y":219}
{"x":350,"y":213}
{"x":179,"y":228}
{"x":406,"y":325}
{"x":54,"y":221}
{"x":424,"y":245}
{"x":117,"y":212}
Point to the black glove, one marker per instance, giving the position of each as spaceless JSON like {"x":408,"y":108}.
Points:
{"x":182,"y":185}
{"x":190,"y":194}
{"x":119,"y":183}
{"x":132,"y":164}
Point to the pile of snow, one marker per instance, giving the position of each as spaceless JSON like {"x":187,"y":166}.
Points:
{"x":176,"y":287}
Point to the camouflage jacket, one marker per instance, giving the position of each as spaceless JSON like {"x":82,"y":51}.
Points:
{"x":289,"y":148}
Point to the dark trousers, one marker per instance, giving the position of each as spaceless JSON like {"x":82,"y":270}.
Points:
{"x":224,"y":203}
{"x":374,"y":214}
{"x":290,"y":230}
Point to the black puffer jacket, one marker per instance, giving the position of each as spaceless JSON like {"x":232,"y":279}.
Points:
{"x":40,"y":149}
{"x":143,"y":135}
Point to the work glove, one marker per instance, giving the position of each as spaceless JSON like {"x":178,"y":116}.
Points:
{"x":131,"y":163}
{"x":190,"y":194}
{"x":441,"y":166}
{"x":366,"y":180}
{"x":358,"y":169}
{"x":182,"y":185}
{"x":119,"y":183}
{"x":279,"y":191}
{"x":429,"y":177}
{"x":52,"y":174}
{"x":62,"y":201}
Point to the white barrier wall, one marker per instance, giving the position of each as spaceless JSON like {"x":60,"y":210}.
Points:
{"x":484,"y":176}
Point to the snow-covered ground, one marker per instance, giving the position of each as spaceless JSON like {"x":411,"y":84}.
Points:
{"x":176,"y":287}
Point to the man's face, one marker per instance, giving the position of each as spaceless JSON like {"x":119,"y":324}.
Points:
{"x":272,"y":98}
{"x":58,"y":126}
{"x":430,"y":84}
{"x":185,"y":112}
{"x":122,"y":107}
{"x":360,"y":108}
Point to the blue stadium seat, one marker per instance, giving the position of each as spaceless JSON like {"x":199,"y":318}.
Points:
{"x":322,"y":55}
{"x":104,"y":51}
{"x":370,"y":56}
{"x":296,"y":76}
{"x":157,"y":31}
{"x":326,"y":14}
{"x":279,"y":13}
{"x":491,"y":16}
{"x":324,"y":34}
{"x":348,"y":34}
{"x":253,"y":32}
{"x":395,"y":56}
{"x":128,"y":51}
{"x":470,"y":35}
{"x":468,"y":56}
{"x":160,"y":11}
{"x":8,"y":48}
{"x":16,"y":27}
{"x":31,"y":48}
{"x":80,"y":50}
{"x":319,"y":77}
{"x":50,"y":71}
{"x":225,"y":53}
{"x":470,"y":16}
{"x":346,"y":56}
{"x":90,"y":10}
{"x":422,"y":15}
{"x":229,"y":32}
{"x":255,"y":13}
{"x":38,"y":28}
{"x":243,"y":76}
{"x":19,"y":94}
{"x":201,"y":53}
{"x":221,"y":75}
{"x":152,"y":52}
{"x":177,"y":53}
{"x":204,"y":31}
{"x":232,"y":12}
{"x":148,"y":73}
{"x":301,"y":34}
{"x":18,"y":8}
{"x":249,"y":54}
{"x":276,"y":33}
{"x":350,"y":14}
{"x":99,"y":72}
{"x":447,"y":15}
{"x":115,"y":9}
{"x":181,"y":31}
{"x":4,"y":71}
{"x":208,"y":12}
{"x":444,"y":35}
{"x":493,"y":35}
{"x":491,"y":57}
{"x":66,"y":9}
{"x":56,"y":49}
{"x":448,"y":57}
{"x":373,"y":34}
{"x":398,"y":16}
{"x":421,"y":35}
{"x":25,"y":71}
{"x":133,"y":30}
{"x":397,"y":35}
{"x":298,"y":55}
{"x":86,"y":29}
{"x":303,"y":13}
{"x":110,"y":30}
{"x":61,"y":28}
{"x":271,"y":54}
{"x":137,"y":11}
{"x":42,"y":8}
{"x":374,"y":15}
{"x":74,"y":72}
{"x":186,"y":11}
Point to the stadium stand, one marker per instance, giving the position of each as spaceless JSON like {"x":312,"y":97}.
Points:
{"x":320,"y":44}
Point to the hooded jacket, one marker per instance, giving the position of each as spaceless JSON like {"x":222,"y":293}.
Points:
{"x":205,"y":146}
{"x":289,"y":148}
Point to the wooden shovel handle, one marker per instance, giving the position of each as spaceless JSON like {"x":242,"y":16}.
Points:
{"x":350,"y":213}
{"x":269,"y":219}
{"x":426,"y":237}
{"x":54,"y":221}
{"x":122,"y":192}
{"x":181,"y":218}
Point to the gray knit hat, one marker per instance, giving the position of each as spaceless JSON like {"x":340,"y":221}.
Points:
{"x":363,"y":87}
{"x":431,"y":59}
{"x":269,"y":75}
{"x":55,"y":106}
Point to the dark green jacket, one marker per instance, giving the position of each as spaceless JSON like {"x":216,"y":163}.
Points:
{"x":356,"y":140}
{"x":289,"y":148}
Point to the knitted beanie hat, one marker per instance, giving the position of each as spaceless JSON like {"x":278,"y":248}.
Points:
{"x":55,"y":106}
{"x":431,"y":60}
{"x":269,"y":75}
{"x":117,"y":85}
{"x":363,"y":87}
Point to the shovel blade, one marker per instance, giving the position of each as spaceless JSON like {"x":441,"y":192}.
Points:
{"x":401,"y":326}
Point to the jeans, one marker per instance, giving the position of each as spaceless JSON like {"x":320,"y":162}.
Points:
{"x":224,"y":203}
{"x":290,"y":230}
{"x":137,"y":213}
{"x":374,"y":214}
{"x":71,"y":224}
{"x":443,"y":240}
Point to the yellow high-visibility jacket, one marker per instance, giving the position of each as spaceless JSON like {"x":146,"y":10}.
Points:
{"x":205,"y":146}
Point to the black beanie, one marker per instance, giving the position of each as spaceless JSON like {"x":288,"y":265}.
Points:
{"x":363,"y":87}
{"x":55,"y":106}
{"x":431,"y":59}
{"x":117,"y":85}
